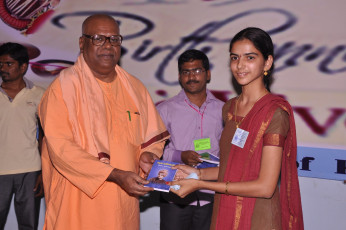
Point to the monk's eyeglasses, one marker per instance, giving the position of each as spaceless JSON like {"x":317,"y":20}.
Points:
{"x":99,"y":40}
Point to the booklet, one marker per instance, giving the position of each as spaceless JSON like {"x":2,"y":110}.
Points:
{"x":160,"y":173}
{"x":209,"y":160}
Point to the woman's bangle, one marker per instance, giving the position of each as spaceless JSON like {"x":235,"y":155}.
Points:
{"x":226,"y":190}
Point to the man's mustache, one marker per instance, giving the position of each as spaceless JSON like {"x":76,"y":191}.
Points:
{"x":3,"y":73}
{"x":192,"y":81}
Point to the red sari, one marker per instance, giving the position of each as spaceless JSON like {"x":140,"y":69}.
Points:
{"x":235,"y":212}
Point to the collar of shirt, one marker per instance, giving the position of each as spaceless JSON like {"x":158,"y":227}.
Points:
{"x":28,"y":85}
{"x":181,"y":97}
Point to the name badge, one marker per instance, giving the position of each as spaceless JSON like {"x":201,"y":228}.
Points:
{"x":202,"y":144}
{"x":240,"y":137}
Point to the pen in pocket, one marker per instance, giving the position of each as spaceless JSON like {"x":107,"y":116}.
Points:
{"x":129,"y":113}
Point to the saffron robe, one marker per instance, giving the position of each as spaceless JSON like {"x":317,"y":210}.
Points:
{"x":82,"y":117}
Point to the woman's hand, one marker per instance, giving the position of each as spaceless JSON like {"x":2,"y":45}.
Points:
{"x":185,"y":170}
{"x":186,"y":187}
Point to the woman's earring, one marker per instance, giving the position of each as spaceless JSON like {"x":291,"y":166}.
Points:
{"x":265,"y":73}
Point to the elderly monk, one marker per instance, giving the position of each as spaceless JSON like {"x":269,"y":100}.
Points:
{"x":92,"y":110}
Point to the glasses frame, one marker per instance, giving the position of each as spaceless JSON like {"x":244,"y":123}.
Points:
{"x":194,"y":72}
{"x":106,"y":38}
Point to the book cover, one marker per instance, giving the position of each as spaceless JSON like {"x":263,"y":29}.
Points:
{"x":209,"y":160}
{"x":160,"y":173}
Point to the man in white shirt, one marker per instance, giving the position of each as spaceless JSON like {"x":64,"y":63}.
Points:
{"x":20,"y":165}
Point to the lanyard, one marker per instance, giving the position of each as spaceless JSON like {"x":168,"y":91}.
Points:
{"x":201,"y":114}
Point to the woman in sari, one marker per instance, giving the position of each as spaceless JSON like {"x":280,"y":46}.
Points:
{"x":257,"y":183}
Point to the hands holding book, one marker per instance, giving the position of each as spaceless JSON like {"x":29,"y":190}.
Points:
{"x":146,"y":161}
{"x":132,"y":183}
{"x":190,"y":158}
{"x":184,"y":179}
{"x":186,"y":170}
{"x":185,"y":185}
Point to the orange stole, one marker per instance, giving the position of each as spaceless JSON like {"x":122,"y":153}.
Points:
{"x":77,"y":193}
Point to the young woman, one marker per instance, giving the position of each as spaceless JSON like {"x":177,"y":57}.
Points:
{"x":257,"y":179}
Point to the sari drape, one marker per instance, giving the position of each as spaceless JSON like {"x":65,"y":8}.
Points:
{"x":235,"y":212}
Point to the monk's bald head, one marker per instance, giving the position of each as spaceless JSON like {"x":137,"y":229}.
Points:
{"x":89,"y":21}
{"x":101,"y":58}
